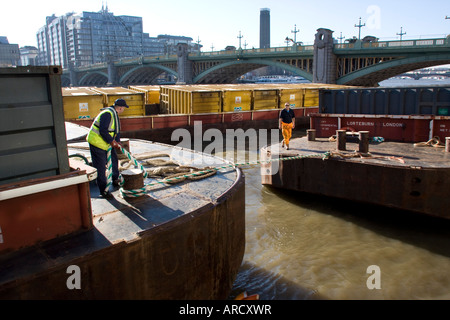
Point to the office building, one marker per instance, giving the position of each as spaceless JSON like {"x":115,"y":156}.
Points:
{"x":264,"y":31}
{"x":96,"y":37}
{"x":9,"y":53}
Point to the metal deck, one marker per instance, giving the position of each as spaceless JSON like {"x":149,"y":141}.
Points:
{"x":384,"y":153}
{"x":123,"y":218}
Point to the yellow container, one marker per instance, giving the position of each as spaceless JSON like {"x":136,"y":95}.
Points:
{"x":152,"y":93}
{"x":292,"y":94}
{"x":135,"y":100}
{"x":81,"y":103}
{"x":190,"y":99}
{"x":265,"y":98}
{"x":311,"y":98}
{"x":236,"y":99}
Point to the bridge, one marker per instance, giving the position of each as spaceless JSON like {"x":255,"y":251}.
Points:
{"x":359,"y":63}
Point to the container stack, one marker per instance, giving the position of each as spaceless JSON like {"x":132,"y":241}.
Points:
{"x":135,"y":100}
{"x":85,"y":103}
{"x":240,"y":97}
{"x":81,"y":102}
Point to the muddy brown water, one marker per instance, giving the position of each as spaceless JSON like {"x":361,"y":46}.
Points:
{"x":303,"y":247}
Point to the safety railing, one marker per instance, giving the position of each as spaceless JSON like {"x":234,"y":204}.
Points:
{"x":394,"y":44}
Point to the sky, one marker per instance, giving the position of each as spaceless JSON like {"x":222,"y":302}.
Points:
{"x":217,"y":24}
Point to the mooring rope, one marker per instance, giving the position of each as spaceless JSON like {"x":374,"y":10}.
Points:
{"x":109,"y":170}
{"x":204,"y":173}
{"x":435,"y":142}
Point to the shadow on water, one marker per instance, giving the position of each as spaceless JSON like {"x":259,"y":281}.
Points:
{"x":427,"y":232}
{"x":257,"y":280}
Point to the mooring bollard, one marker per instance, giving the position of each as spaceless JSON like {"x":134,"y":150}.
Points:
{"x":133,"y":179}
{"x":364,"y":141}
{"x":311,"y":134}
{"x":341,"y":140}
{"x":447,"y":144}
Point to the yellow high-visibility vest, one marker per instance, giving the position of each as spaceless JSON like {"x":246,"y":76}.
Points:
{"x":94,"y":136}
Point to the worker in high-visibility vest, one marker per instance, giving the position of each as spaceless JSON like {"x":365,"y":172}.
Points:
{"x":105,"y":133}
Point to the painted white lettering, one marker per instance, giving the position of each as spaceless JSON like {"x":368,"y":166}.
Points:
{"x":393,"y":124}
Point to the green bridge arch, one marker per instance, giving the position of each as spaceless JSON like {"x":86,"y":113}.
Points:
{"x":385,"y":70}
{"x":263,"y":62}
{"x":136,"y":69}
{"x":92,"y":75}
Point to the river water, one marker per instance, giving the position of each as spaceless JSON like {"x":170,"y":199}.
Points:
{"x":305,"y":247}
{"x":301,"y":247}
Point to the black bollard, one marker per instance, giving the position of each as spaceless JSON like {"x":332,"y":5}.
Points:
{"x":364,"y":141}
{"x":341,"y":140}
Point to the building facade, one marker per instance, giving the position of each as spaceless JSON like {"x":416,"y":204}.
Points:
{"x":264,"y":31}
{"x":28,"y":56}
{"x":95,"y":37}
{"x":9,"y":53}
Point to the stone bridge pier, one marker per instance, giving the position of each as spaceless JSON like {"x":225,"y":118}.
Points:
{"x":324,"y":63}
{"x":184,"y":65}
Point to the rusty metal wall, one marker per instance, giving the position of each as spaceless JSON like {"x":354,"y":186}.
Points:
{"x":407,"y":188}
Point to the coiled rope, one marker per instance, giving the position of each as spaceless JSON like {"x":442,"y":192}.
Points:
{"x":435,"y":142}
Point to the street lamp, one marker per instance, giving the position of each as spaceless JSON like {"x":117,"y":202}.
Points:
{"x":360,"y":26}
{"x":240,"y":37}
{"x":401,"y":33}
{"x":295,"y":31}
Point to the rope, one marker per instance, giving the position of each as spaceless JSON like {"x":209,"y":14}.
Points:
{"x":202,"y":174}
{"x":364,"y":155}
{"x":108,"y":169}
{"x":435,"y":142}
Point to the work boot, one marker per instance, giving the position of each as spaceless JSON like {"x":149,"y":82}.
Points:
{"x":106,"y":194}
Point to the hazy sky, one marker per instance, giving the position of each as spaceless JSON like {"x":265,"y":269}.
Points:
{"x":218,"y":23}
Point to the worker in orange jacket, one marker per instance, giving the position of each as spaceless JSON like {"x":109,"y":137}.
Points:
{"x":286,"y":124}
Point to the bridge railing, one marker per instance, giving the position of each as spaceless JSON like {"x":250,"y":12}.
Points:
{"x":393,"y":44}
{"x":255,"y":51}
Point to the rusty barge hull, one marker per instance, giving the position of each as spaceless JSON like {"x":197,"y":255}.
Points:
{"x":181,"y":242}
{"x":421,"y":184}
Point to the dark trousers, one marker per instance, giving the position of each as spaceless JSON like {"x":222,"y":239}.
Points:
{"x":99,"y":161}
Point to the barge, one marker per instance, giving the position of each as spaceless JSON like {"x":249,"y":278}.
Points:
{"x":392,"y":174}
{"x":399,"y":160}
{"x":60,"y":240}
{"x":183,"y":241}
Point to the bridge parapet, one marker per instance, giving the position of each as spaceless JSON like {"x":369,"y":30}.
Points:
{"x":275,"y":50}
{"x":422,"y":43}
